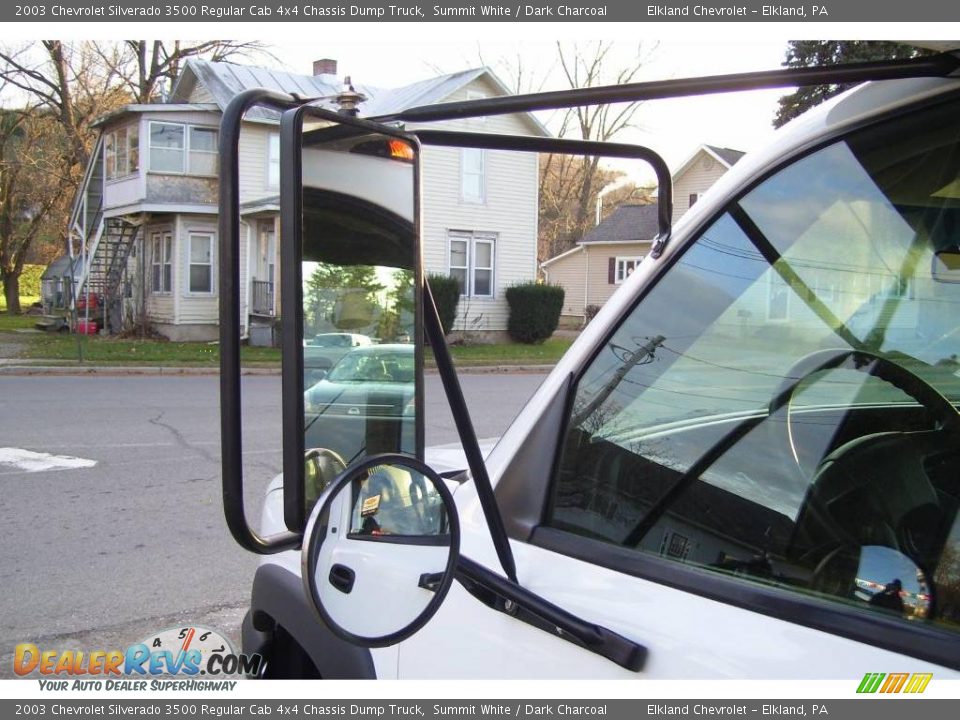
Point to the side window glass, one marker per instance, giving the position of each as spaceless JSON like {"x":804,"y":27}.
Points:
{"x":781,"y":407}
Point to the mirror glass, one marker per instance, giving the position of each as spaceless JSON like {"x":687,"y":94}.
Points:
{"x":380,"y":551}
{"x":360,"y":253}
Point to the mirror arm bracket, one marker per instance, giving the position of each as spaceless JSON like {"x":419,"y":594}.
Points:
{"x":468,"y":436}
{"x":504,"y":596}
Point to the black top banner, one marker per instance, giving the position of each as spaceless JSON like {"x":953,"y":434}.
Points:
{"x":83,"y":11}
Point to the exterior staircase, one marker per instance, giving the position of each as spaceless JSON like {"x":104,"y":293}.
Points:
{"x":105,"y":275}
{"x":93,"y":288}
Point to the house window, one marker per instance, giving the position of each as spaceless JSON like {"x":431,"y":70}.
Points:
{"x":273,"y":160}
{"x":203,"y":151}
{"x":678,"y":546}
{"x":472,"y":257}
{"x":176,"y":148}
{"x":881,"y":286}
{"x":121,"y":152}
{"x":625,"y":266}
{"x":692,"y":200}
{"x":201,"y":262}
{"x":472,"y":175}
{"x":825,"y":289}
{"x":778,"y":298}
{"x":166,"y":147}
{"x":161,"y":262}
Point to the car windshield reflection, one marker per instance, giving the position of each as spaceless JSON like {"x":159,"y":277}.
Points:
{"x":386,"y":364}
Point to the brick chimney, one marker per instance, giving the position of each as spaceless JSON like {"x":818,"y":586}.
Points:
{"x":325,"y":67}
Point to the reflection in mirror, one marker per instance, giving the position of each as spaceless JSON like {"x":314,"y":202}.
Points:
{"x":321,"y":467}
{"x":946,"y":266}
{"x":359,"y":254}
{"x":397,"y":501}
{"x":889,"y":581}
{"x":380,"y":550}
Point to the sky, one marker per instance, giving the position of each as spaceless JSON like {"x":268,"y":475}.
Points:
{"x":393,"y":54}
{"x":674,"y":128}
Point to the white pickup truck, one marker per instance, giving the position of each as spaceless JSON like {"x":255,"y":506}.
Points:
{"x":747,"y":465}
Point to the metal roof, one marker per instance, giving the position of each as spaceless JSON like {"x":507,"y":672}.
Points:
{"x":225,"y":80}
{"x":136,"y":108}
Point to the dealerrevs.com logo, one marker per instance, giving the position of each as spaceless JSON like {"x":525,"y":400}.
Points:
{"x":186,"y":652}
{"x":894,"y":683}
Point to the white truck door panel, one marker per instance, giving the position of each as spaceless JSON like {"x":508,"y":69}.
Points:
{"x":686,"y":635}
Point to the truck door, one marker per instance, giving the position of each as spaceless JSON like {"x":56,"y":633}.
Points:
{"x":747,"y":484}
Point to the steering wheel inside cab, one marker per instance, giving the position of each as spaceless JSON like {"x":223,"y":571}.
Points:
{"x":874,"y":491}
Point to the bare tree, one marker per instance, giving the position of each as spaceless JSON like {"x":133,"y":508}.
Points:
{"x":145,"y":66}
{"x":70,"y":85}
{"x":68,"y":81}
{"x":569,"y":185}
{"x":32,"y":145}
{"x":583,"y":67}
{"x":561,"y":218}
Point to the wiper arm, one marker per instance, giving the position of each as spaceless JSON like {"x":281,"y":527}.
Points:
{"x":790,"y":277}
{"x":508,"y":597}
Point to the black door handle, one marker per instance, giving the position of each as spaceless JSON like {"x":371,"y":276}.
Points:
{"x":342,"y":577}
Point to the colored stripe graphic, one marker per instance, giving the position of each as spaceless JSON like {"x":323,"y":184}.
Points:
{"x":918,"y":683}
{"x":895,"y":682}
{"x":870,"y":682}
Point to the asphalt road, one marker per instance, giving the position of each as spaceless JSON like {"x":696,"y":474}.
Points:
{"x":99,"y":557}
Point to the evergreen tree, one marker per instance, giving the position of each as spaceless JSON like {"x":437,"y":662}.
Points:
{"x":810,"y":53}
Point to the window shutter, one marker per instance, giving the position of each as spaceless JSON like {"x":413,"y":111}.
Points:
{"x":611,"y":271}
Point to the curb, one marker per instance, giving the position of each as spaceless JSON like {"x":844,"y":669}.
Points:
{"x":108,"y":370}
{"x":155,"y":370}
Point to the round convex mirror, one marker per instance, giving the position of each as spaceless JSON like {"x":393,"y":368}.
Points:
{"x":380,"y":550}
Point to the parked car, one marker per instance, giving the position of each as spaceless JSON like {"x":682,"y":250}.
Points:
{"x":322,"y":351}
{"x":363,"y":399}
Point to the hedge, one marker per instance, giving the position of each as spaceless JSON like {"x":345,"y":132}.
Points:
{"x":446,"y":295}
{"x":534,"y":311}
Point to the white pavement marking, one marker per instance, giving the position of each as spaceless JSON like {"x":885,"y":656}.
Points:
{"x":31,"y":461}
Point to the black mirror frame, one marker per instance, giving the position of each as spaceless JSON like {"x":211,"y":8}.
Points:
{"x":308,"y":558}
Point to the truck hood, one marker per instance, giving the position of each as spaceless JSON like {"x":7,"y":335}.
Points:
{"x":445,"y":459}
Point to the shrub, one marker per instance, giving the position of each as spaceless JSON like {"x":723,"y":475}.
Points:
{"x":30,"y":280}
{"x":534,"y":311}
{"x":589,"y":313}
{"x":446,"y":295}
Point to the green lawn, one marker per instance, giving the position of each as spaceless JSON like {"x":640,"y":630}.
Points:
{"x":15,"y":322}
{"x":63,"y":347}
{"x":107,"y":350}
{"x":547,"y":353}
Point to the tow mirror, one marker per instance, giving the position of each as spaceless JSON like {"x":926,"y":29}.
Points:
{"x":350,"y":280}
{"x":380,"y":550}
